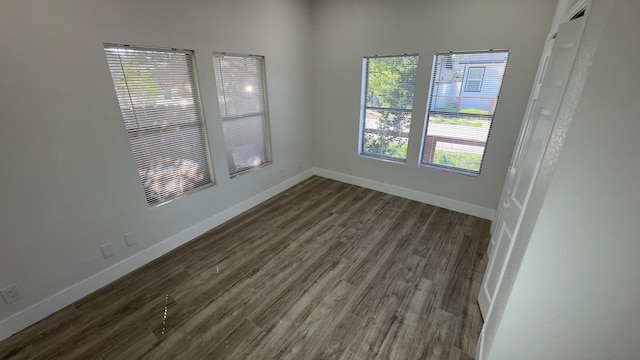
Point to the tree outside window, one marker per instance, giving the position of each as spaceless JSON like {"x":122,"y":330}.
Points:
{"x":388,"y":101}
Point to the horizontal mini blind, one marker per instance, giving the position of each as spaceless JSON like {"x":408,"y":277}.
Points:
{"x":243,"y":109}
{"x":159,"y":101}
{"x":465,"y":87}
{"x":388,"y":85}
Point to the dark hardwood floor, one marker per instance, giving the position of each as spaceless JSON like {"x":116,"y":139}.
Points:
{"x":325,"y":270}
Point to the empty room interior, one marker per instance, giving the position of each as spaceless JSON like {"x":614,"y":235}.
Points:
{"x":319,"y":179}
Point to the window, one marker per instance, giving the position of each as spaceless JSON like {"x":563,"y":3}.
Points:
{"x":243,"y":108}
{"x":459,"y":117}
{"x":159,"y":101}
{"x":474,"y":79}
{"x":387,"y":101}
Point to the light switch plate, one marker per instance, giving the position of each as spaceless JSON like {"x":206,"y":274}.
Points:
{"x":131,"y":239}
{"x":107,"y":250}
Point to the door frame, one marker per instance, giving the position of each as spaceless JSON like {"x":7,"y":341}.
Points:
{"x":566,"y":110}
{"x":577,"y":7}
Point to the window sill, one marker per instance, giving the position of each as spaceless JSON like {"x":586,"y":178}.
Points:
{"x":383,"y":158}
{"x":249,"y":170}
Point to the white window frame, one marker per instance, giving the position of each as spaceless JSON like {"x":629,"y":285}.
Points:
{"x":166,"y":173}
{"x":429,"y":142}
{"x":262,"y":157}
{"x":364,"y":108}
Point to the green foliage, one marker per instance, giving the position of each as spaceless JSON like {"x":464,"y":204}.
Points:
{"x":455,"y":121}
{"x":452,"y":107}
{"x":475,"y":111}
{"x":390,"y":84}
{"x":458,"y":160}
{"x":138,"y":80}
{"x":391,"y":81}
{"x":456,"y":118}
{"x":386,"y":146}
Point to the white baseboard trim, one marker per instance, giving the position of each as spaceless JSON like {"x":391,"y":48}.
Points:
{"x":75,"y":292}
{"x":426,"y":198}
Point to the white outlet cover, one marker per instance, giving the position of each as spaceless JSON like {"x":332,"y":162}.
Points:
{"x":11,"y":293}
{"x":130,"y":239}
{"x":107,"y":250}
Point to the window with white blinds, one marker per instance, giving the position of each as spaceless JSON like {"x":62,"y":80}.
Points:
{"x":243,"y":108}
{"x":160,"y":105}
{"x":387,"y":103}
{"x":465,"y":87}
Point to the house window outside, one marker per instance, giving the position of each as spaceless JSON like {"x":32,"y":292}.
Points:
{"x":387,"y":102}
{"x":243,"y":107}
{"x":474,"y":79}
{"x":459,"y":118}
{"x":160,"y":106}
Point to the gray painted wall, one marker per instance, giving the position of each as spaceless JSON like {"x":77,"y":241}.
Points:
{"x":346,"y":30}
{"x":69,"y":181}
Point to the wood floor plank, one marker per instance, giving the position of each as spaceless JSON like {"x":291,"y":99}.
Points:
{"x":238,"y":343}
{"x":457,"y":284}
{"x":336,"y":345}
{"x":304,"y":324}
{"x":130,"y":347}
{"x":377,"y":329}
{"x":457,"y":354}
{"x":441,"y":326}
{"x":214,"y":316}
{"x":100,"y":330}
{"x":95,"y":325}
{"x":130,"y":344}
{"x":400,"y":269}
{"x":16,"y":347}
{"x":45,"y":335}
{"x":236,"y":270}
{"x":324,"y":270}
{"x":311,"y":326}
{"x":411,"y":320}
{"x":309,"y":283}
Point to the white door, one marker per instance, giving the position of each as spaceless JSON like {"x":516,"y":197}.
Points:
{"x":526,"y":127}
{"x":529,"y":152}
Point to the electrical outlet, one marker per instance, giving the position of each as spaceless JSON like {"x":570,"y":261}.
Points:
{"x":11,"y":294}
{"x":281,"y":174}
{"x":299,"y":164}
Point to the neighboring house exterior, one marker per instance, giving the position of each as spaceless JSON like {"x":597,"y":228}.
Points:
{"x":482,"y":77}
{"x":470,"y":82}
